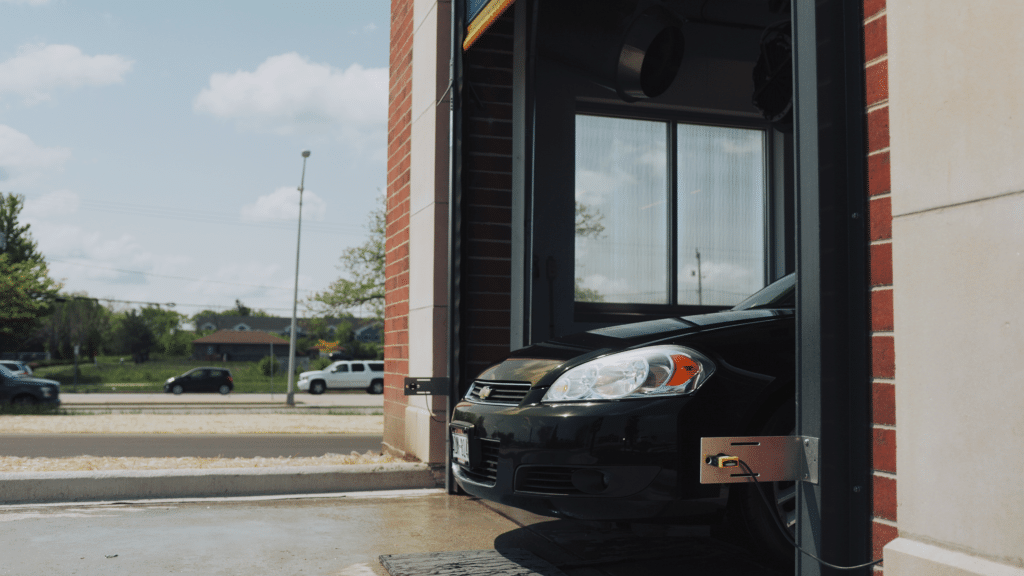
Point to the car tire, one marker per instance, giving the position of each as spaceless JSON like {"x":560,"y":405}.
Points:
{"x":759,"y":521}
{"x":25,"y":400}
{"x":317,"y":387}
{"x":224,"y":389}
{"x":376,"y":387}
{"x":177,"y":389}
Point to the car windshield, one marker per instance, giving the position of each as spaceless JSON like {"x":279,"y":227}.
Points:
{"x":778,"y":294}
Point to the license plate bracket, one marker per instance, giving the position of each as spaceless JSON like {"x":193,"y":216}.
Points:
{"x":462,"y":443}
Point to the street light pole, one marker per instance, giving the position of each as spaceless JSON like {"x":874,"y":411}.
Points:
{"x":295,"y":296}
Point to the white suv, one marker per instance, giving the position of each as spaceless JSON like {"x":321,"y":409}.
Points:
{"x":345,"y":375}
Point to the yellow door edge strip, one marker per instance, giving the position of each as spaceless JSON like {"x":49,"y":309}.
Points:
{"x":491,"y":12}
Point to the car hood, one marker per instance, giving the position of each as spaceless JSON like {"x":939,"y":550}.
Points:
{"x":533,"y":363}
{"x":38,"y":381}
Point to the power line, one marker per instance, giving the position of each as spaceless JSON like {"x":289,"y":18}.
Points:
{"x":169,"y":276}
{"x":208,"y":217}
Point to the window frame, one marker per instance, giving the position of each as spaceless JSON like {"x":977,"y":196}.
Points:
{"x":617,"y":312}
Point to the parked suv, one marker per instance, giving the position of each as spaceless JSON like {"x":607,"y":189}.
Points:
{"x":18,"y":367}
{"x":345,"y":375}
{"x":26,"y":390}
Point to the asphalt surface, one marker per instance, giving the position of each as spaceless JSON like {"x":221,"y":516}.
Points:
{"x":338,"y":536}
{"x":185,"y":445}
{"x":344,"y":399}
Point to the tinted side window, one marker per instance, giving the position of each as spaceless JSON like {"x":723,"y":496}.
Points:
{"x":343,"y":368}
{"x":358,"y":368}
{"x":377,"y":366}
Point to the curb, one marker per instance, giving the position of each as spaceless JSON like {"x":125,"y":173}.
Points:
{"x":44,"y":487}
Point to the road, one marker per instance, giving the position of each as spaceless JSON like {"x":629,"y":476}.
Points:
{"x":185,"y":445}
{"x":331,"y":399}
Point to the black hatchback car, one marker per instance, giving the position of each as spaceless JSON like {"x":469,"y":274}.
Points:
{"x":201,"y":380}
{"x":606,"y":424}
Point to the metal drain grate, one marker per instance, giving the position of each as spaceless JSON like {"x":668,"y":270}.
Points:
{"x":510,"y":562}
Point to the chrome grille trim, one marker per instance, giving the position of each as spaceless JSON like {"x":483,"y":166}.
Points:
{"x":503,"y":393}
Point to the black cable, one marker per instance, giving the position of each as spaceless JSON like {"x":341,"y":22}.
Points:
{"x":785,"y":532}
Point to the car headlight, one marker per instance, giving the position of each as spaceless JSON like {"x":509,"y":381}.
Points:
{"x":47,"y":391}
{"x":645,"y":373}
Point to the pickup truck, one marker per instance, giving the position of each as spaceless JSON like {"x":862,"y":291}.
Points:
{"x":345,"y":375}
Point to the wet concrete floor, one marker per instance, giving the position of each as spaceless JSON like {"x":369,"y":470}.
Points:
{"x":342,"y":535}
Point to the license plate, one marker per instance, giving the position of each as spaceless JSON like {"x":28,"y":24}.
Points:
{"x":460,"y":447}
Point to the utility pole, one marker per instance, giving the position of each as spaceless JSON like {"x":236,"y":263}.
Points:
{"x":295,"y":296}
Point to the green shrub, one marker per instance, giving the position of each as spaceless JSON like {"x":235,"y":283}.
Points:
{"x":268,"y":363}
{"x":319,"y":363}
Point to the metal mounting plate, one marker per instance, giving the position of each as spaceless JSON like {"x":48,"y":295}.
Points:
{"x":771,"y":458}
{"x":426,"y":386}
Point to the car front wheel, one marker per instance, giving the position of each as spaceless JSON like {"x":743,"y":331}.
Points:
{"x":177,"y":389}
{"x":376,"y":387}
{"x":317,"y":387}
{"x":224,"y":389}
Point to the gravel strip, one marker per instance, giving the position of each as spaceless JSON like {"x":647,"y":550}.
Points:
{"x":80,"y":463}
{"x":186,"y":424}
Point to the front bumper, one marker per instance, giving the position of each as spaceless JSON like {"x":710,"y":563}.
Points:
{"x":616,"y":460}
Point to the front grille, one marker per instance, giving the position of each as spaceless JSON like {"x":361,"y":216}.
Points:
{"x":545,"y":480}
{"x":510,"y":393}
{"x":486,"y":470}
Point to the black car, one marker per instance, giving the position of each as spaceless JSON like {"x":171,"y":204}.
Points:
{"x":606,"y":424}
{"x":201,"y":380}
{"x":27,"y":391}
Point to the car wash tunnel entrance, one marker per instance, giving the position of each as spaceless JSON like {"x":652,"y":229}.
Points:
{"x":609,"y":182}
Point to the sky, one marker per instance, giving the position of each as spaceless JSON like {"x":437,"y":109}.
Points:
{"x":158,"y":144}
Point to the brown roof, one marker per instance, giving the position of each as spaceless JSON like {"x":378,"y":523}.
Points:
{"x":240,"y":337}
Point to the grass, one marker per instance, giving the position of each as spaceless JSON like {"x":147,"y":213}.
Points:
{"x":31,"y":410}
{"x":149,"y":376}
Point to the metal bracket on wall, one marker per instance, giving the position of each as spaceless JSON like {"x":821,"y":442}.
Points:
{"x":426,"y":386}
{"x":770,"y":458}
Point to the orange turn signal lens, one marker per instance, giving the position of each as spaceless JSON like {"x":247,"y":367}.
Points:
{"x":686,"y":369}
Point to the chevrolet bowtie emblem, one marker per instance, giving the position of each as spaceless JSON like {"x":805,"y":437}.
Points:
{"x":485,"y":392}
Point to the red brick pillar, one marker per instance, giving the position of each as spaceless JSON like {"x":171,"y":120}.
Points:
{"x":396,"y":300}
{"x":883,"y":361}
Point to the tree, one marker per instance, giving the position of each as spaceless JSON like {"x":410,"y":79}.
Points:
{"x":77,"y":319}
{"x":134,"y":335}
{"x":27,"y":295}
{"x":15,"y":239}
{"x":364,"y":265}
{"x":589,"y":223}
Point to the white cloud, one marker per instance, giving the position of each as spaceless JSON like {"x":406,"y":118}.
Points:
{"x":61,"y":202}
{"x":39,"y":69}
{"x":287,"y":94}
{"x":22,"y":160}
{"x":283,"y":204}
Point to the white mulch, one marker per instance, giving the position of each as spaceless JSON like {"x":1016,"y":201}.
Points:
{"x":186,"y":424}
{"x":79,"y":463}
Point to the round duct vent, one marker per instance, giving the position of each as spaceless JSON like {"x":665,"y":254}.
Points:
{"x":651,"y":54}
{"x":773,"y":74}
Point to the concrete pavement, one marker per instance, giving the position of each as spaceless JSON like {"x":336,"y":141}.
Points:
{"x":342,"y":535}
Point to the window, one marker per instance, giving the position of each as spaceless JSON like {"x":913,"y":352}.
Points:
{"x":668,"y":213}
{"x":342,"y":368}
{"x":376,"y":366}
{"x":358,"y":368}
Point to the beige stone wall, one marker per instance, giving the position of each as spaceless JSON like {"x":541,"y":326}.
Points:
{"x":956,"y":99}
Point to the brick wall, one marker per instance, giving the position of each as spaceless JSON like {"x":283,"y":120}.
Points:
{"x":486,"y":200}
{"x":883,"y":360}
{"x":396,"y":311}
